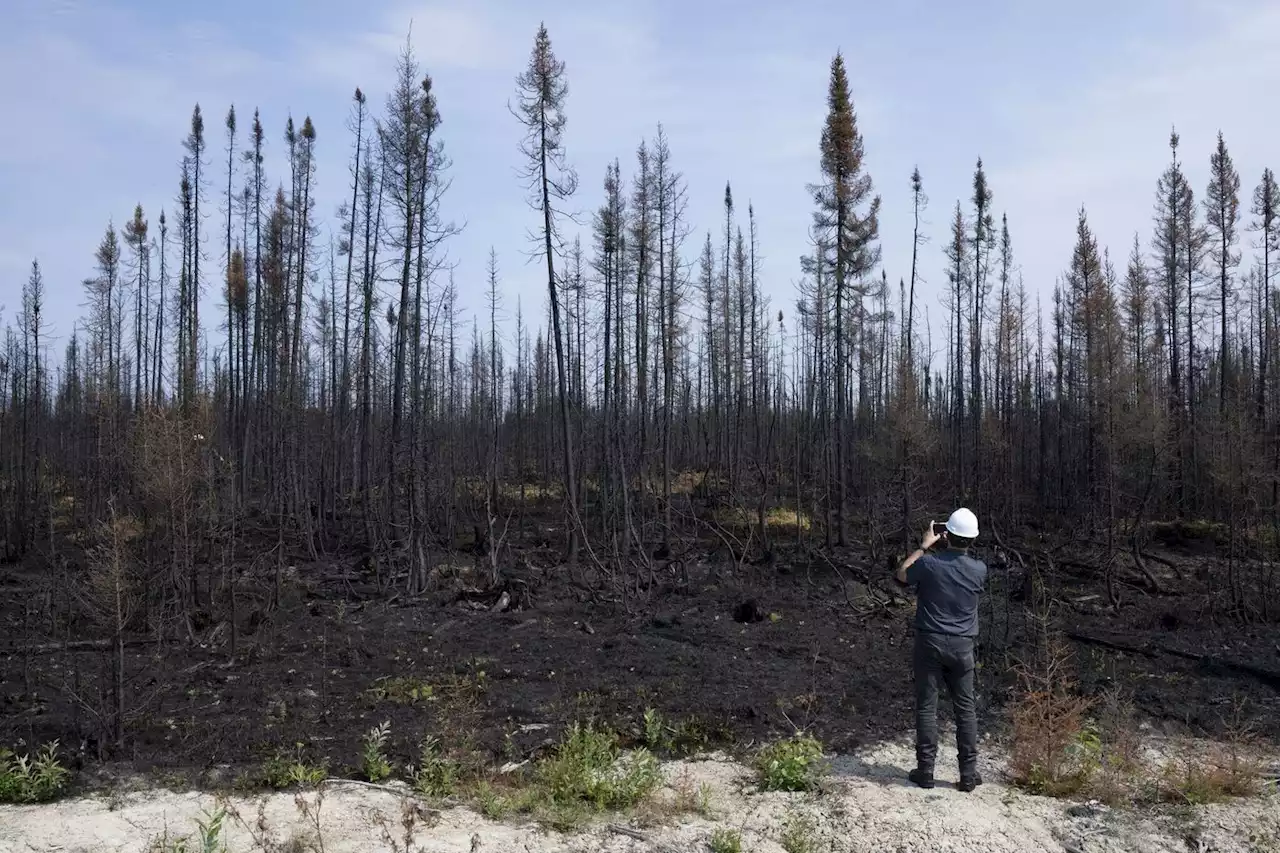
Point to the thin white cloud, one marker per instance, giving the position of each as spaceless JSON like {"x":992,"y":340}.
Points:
{"x":108,"y":97}
{"x":752,"y":118}
{"x":455,"y":37}
{"x":1105,"y":148}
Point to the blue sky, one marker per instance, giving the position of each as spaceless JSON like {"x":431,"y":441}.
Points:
{"x":1067,"y":104}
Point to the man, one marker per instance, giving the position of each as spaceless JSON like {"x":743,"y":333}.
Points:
{"x":948,"y":585}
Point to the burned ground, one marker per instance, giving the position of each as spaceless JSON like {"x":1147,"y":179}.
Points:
{"x":828,"y":653}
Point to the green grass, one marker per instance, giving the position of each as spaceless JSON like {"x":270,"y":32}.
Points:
{"x":799,"y":834}
{"x":586,"y":775}
{"x":456,"y":694}
{"x":725,"y":841}
{"x":676,"y":738}
{"x":402,"y":690}
{"x":24,"y":779}
{"x":284,"y":770}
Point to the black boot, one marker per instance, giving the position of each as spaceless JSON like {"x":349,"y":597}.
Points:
{"x":968,"y":783}
{"x":921,"y":777}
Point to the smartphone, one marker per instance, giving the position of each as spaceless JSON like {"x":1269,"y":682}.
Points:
{"x":939,"y":528}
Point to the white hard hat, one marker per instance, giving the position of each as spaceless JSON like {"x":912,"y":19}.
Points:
{"x":963,"y":523}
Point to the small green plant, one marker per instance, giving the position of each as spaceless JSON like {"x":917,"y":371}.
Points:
{"x":402,"y":690}
{"x":373,"y":760}
{"x":690,"y":737}
{"x":588,"y":767}
{"x":725,"y":841}
{"x":1123,"y":775}
{"x":689,"y":796}
{"x":284,"y":770}
{"x":1074,"y":769}
{"x":24,"y":779}
{"x":210,"y":832}
{"x":1188,"y":781}
{"x":491,"y":804}
{"x":799,"y":834}
{"x":208,"y":837}
{"x":436,"y":775}
{"x":676,"y":738}
{"x":702,"y":805}
{"x":794,"y":764}
{"x":460,"y":692}
{"x":655,"y":732}
{"x":1203,"y":779}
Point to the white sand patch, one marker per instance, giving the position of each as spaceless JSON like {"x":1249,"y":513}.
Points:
{"x":866,"y":806}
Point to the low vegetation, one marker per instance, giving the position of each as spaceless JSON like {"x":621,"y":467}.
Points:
{"x":689,"y":797}
{"x":588,"y":768}
{"x":32,"y":779}
{"x":676,"y":738}
{"x":1068,"y":745}
{"x":1225,"y":772}
{"x":794,"y":764}
{"x":456,"y":692}
{"x":374,"y":765}
{"x":436,"y":775}
{"x":724,"y":840}
{"x":208,"y":838}
{"x":293,"y":770}
{"x":799,"y":834}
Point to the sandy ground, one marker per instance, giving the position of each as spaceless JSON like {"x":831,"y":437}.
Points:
{"x":866,"y":806}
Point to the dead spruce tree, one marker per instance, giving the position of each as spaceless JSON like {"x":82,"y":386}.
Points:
{"x":542,"y":91}
{"x":850,"y":232}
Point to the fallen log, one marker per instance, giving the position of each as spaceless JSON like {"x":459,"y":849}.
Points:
{"x":1152,"y":581}
{"x":72,"y":646}
{"x":1115,"y":645}
{"x":1269,"y":677}
{"x":1164,"y":561}
{"x":643,"y":837}
{"x":619,"y":829}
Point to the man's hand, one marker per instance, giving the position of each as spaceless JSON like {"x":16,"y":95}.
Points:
{"x":926,"y":542}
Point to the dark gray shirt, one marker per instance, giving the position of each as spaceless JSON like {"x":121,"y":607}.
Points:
{"x":948,"y":584}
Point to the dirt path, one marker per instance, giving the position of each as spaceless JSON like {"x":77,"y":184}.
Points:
{"x":867,"y":807}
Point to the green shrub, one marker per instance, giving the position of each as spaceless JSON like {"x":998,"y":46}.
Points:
{"x":794,"y":764}
{"x":436,"y":775}
{"x":1224,"y":774}
{"x":655,"y":733}
{"x":24,"y":779}
{"x":283,"y":771}
{"x":589,"y":767}
{"x":373,"y":760}
{"x":675,"y":738}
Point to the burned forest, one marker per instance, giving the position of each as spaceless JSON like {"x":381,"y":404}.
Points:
{"x":289,"y":476}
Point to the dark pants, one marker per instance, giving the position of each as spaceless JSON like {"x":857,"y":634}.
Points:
{"x":944,"y":659}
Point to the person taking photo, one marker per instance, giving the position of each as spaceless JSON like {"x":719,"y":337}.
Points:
{"x":949,"y":583}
